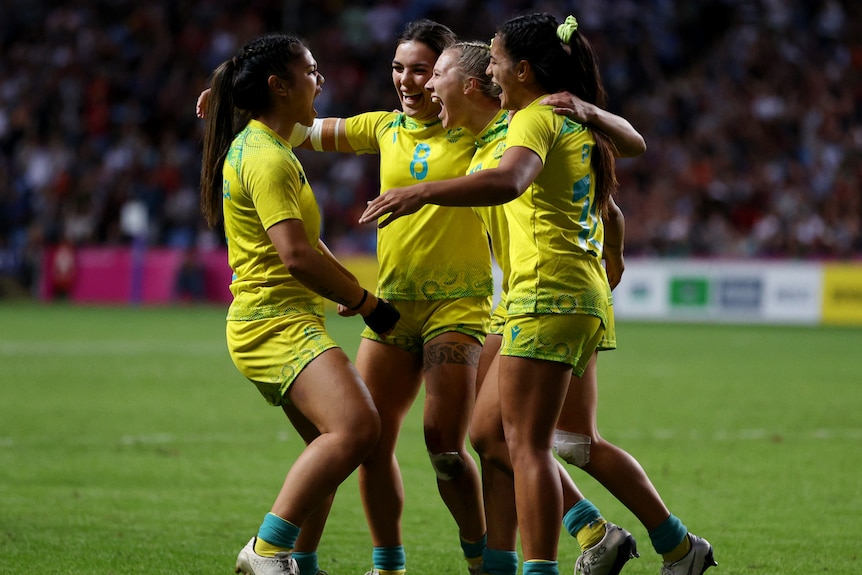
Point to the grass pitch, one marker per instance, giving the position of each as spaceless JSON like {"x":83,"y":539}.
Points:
{"x":129,"y":444}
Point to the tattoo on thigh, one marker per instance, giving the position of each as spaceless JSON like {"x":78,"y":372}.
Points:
{"x":451,"y":352}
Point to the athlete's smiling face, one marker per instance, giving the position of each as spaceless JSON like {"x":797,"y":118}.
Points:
{"x":447,"y":88}
{"x":411,"y":69}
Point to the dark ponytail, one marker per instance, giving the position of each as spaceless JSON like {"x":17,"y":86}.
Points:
{"x":219,"y":132}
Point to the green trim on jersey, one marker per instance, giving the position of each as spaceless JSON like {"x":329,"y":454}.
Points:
{"x":492,"y":144}
{"x":555,"y":231}
{"x":264,"y":184}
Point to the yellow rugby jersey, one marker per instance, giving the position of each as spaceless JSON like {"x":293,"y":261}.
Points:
{"x":491,"y":144}
{"x":438,"y":252}
{"x":264,"y":184}
{"x":555,"y":231}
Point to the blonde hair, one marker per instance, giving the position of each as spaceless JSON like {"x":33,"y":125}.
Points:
{"x":473,"y":60}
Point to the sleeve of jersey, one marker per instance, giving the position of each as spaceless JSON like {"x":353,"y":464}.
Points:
{"x":365,"y":130}
{"x":275,"y":183}
{"x":532,"y":128}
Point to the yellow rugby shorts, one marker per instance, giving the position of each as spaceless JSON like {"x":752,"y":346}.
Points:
{"x":272,"y":352}
{"x":423,"y":320}
{"x":564,"y":338}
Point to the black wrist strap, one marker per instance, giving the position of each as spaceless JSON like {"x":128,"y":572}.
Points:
{"x":383,"y":318}
{"x":362,"y":301}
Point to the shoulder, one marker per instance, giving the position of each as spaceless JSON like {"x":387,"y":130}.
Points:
{"x":534,"y":114}
{"x":373,"y":119}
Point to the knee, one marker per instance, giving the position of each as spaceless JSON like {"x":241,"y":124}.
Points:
{"x":490,"y":447}
{"x":573,"y":448}
{"x":481,"y":441}
{"x":365,"y":435}
{"x":449,"y":465}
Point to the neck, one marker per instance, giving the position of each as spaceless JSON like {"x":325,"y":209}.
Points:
{"x":481,"y":115}
{"x":527,"y":93}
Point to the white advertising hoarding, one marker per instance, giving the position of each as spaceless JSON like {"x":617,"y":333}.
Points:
{"x":763,"y":292}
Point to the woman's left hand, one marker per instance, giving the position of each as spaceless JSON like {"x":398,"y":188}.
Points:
{"x":397,"y":202}
{"x":567,"y":104}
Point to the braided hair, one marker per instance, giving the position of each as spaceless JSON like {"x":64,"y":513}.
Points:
{"x":473,"y":60}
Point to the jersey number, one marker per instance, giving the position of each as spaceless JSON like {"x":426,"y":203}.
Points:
{"x":419,"y":165}
{"x":588,"y":221}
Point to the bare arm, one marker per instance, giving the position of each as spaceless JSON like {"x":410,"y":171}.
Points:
{"x":628,"y":141}
{"x":328,"y":133}
{"x":315,"y":270}
{"x":612,"y":253}
{"x":518,"y":168}
{"x":324,"y":249}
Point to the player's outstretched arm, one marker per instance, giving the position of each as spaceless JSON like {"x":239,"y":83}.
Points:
{"x":518,"y":168}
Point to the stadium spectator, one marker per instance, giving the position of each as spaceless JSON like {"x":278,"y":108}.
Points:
{"x":752,"y":110}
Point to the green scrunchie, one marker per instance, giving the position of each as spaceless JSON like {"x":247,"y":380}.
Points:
{"x":565,"y":30}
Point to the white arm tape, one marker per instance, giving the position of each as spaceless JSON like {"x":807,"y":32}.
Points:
{"x":299,"y":134}
{"x":337,"y":129}
{"x":316,"y":134}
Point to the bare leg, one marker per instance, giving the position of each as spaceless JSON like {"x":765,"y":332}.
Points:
{"x":348,"y":430}
{"x":450,"y":365}
{"x":531,"y":396}
{"x":312,"y":529}
{"x":490,"y":442}
{"x":393,"y":377}
{"x":614,"y":468}
{"x":498,"y":487}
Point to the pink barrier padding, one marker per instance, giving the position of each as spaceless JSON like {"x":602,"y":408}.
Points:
{"x":218,"y":276}
{"x":129,"y":275}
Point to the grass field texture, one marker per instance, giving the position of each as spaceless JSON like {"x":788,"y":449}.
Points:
{"x":129,"y":444}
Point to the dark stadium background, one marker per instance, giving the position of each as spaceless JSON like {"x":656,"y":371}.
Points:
{"x":752,"y":113}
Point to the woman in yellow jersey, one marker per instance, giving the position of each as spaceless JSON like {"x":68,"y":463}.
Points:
{"x":559,"y":177}
{"x":435,"y":266}
{"x":276,"y":336}
{"x":469,"y":100}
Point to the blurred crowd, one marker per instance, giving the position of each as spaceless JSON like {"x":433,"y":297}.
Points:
{"x":752,"y":113}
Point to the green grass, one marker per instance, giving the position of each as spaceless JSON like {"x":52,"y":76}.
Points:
{"x":130,"y":444}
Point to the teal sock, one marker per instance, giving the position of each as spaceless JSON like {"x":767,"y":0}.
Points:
{"x":499,"y":562}
{"x":579,"y":516}
{"x":389,"y":558}
{"x":668,"y":535}
{"x":307,"y":562}
{"x":276,"y":531}
{"x":472,"y":550}
{"x":541,"y":568}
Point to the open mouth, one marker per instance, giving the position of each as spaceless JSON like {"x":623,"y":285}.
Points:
{"x":436,"y":99}
{"x":411,"y":100}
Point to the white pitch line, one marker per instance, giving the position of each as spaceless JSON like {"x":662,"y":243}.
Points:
{"x":720,"y":436}
{"x":101,"y":348}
